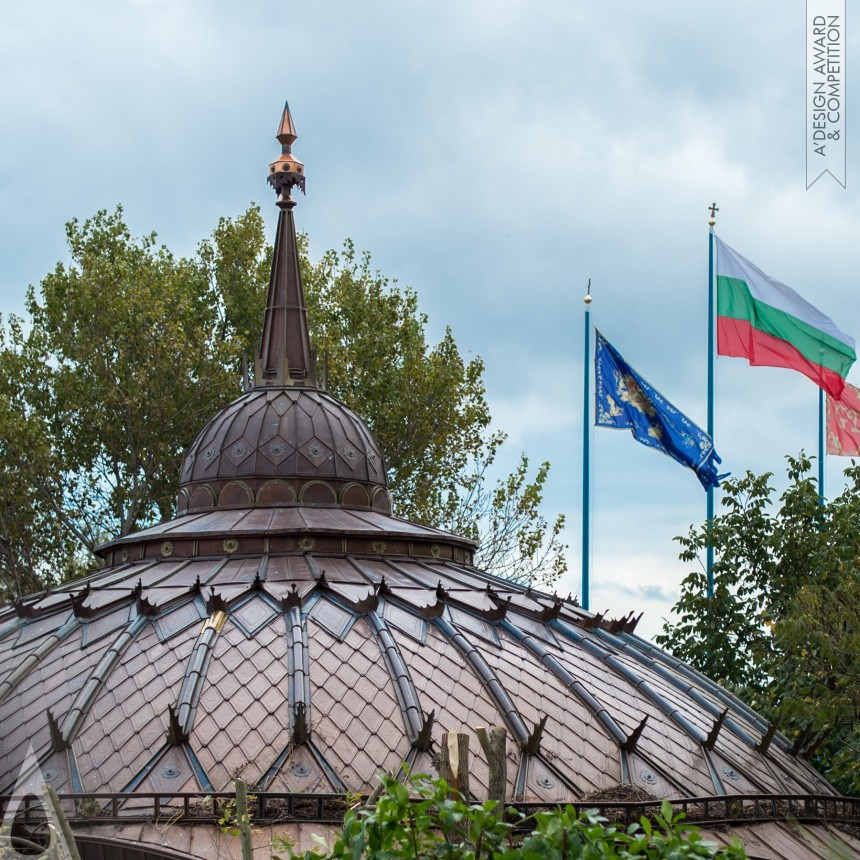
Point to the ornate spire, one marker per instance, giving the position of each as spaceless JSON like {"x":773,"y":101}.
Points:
{"x":285,"y":349}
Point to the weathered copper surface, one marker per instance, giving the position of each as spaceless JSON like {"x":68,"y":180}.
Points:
{"x":110,"y":673}
{"x":287,"y":628}
{"x":285,"y":172}
{"x":279,"y":447}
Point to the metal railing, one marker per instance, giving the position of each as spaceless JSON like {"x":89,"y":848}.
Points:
{"x":722,"y":809}
{"x":274,"y":807}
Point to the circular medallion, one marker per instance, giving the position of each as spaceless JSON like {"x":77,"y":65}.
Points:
{"x":648,"y":777}
{"x":170,"y":772}
{"x":306,"y":543}
{"x":230,"y":545}
{"x":167,"y":549}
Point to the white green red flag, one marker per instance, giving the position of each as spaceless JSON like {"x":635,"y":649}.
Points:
{"x":843,"y":423}
{"x":767,"y":323}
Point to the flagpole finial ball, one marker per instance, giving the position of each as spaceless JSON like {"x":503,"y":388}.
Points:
{"x":712,"y":221}
{"x":587,"y":300}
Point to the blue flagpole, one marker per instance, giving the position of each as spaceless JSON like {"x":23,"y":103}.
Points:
{"x":586,"y":454}
{"x":821,"y":423}
{"x":711,"y":379}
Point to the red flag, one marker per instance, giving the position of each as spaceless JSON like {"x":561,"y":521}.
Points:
{"x":843,"y":423}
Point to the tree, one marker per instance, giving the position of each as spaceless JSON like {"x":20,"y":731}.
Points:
{"x":34,"y":547}
{"x":427,"y":408}
{"x":129,"y":350}
{"x":782,"y":628}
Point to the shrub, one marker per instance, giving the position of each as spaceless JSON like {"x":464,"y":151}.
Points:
{"x":439,"y":824}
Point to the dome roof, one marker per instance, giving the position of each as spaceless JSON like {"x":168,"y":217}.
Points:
{"x":308,"y":669}
{"x":287,"y":628}
{"x":284,"y":446}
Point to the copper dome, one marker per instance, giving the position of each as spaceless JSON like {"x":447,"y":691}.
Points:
{"x":286,"y":628}
{"x":284,"y":446}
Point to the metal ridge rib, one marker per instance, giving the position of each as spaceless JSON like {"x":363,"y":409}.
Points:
{"x":195,"y":672}
{"x":685,"y":686}
{"x":34,"y":658}
{"x":608,"y":659}
{"x":87,"y":694}
{"x":576,"y":687}
{"x":298,"y":668}
{"x":407,"y":695}
{"x":487,"y":677}
{"x":723,"y":695}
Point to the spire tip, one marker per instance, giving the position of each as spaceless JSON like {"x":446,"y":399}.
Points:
{"x":286,"y":172}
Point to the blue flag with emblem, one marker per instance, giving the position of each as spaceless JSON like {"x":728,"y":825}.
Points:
{"x":625,"y":399}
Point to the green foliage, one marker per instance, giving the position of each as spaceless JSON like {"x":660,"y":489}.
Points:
{"x":438,"y":824}
{"x":128,"y":351}
{"x":783,"y":627}
{"x":427,"y":409}
{"x":34,"y":547}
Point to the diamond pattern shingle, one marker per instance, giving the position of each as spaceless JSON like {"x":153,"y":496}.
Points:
{"x":361,"y":730}
{"x":51,"y":685}
{"x":131,"y":710}
{"x":572,"y":734}
{"x":243,"y":706}
{"x":447,"y":686}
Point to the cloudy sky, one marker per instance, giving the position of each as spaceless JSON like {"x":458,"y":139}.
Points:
{"x":494,"y":156}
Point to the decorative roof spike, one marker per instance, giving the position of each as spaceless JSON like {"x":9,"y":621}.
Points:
{"x":293,"y":599}
{"x":633,"y":738}
{"x":550,"y":613}
{"x":425,"y":737}
{"x":215,"y":603}
{"x":285,"y":356}
{"x":24,"y":610}
{"x":711,"y":740}
{"x":301,"y":733}
{"x":764,"y":743}
{"x":58,"y":742}
{"x":175,"y":735}
{"x":630,"y":626}
{"x":532,"y":745}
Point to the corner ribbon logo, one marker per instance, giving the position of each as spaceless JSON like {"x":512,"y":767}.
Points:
{"x":31,"y":782}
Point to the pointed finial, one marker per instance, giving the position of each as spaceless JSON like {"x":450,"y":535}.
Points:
{"x":285,"y":171}
{"x":287,"y":129}
{"x":285,"y":356}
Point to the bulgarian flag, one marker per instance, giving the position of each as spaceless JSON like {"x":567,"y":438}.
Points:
{"x":843,"y":423}
{"x":767,"y":323}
